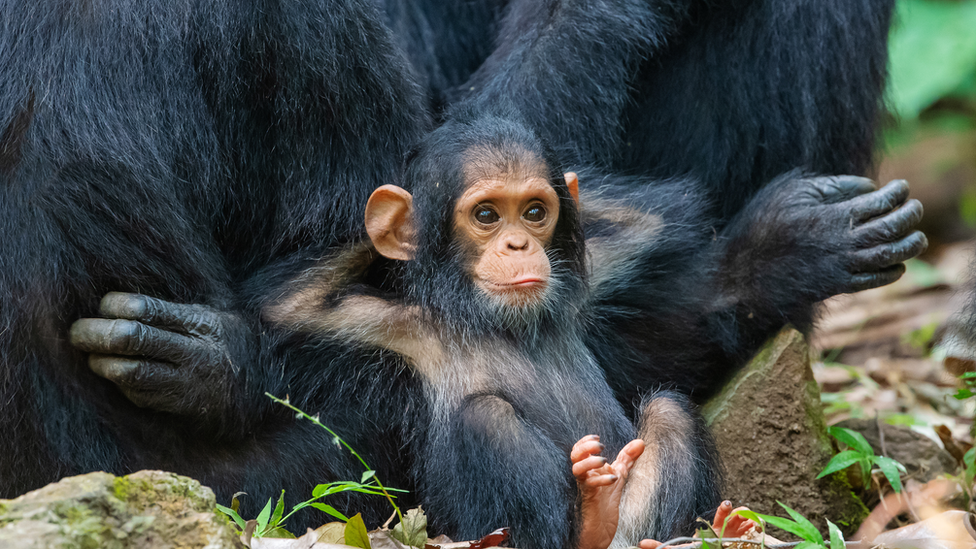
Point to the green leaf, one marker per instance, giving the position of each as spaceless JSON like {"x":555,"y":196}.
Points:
{"x":747,"y":514}
{"x":413,"y":529}
{"x":330,"y":510}
{"x":892,"y":471}
{"x":963,"y":394}
{"x":705,"y":534}
{"x":809,"y":531}
{"x":836,"y":537}
{"x":799,"y":525}
{"x":321,"y":490}
{"x":365,"y":491}
{"x":781,"y":523}
{"x":262,"y":519}
{"x":866,"y":469}
{"x":809,"y":545}
{"x":235,"y":503}
{"x":233,"y":515}
{"x":367,"y":475}
{"x":969,"y":460}
{"x":841,"y":461}
{"x":968,"y":375}
{"x":280,"y":533}
{"x":278,"y":511}
{"x":356,"y":533}
{"x":851,"y":438}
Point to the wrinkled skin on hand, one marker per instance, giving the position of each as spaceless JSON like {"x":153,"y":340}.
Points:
{"x":166,"y":356}
{"x":855,"y":236}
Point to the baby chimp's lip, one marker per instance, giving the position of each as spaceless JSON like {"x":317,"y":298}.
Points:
{"x":528,"y":283}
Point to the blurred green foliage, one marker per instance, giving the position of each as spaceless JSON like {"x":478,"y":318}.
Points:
{"x":933,"y":55}
{"x":932,"y":81}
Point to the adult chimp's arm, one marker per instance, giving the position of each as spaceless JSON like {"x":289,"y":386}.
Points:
{"x":689,"y":310}
{"x":566,"y":66}
{"x":302,"y":157}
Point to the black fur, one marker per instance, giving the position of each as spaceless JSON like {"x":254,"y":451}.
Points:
{"x":731,"y":94}
{"x":208,"y":152}
{"x":183,"y":150}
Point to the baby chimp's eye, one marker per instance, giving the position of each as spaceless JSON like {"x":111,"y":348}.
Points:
{"x":535,"y":213}
{"x":484,"y":215}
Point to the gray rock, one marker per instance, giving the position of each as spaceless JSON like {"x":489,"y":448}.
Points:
{"x":771,"y":433}
{"x":148,"y":509}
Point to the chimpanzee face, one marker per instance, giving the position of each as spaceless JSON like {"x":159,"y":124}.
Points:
{"x":505,"y":223}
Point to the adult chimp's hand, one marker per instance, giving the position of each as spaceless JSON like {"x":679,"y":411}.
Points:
{"x":879,"y":232}
{"x":166,"y":356}
{"x":827,"y":235}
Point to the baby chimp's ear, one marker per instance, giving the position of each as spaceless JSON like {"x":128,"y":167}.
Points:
{"x":389,"y":222}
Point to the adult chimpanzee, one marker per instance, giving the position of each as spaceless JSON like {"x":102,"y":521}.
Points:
{"x":176,"y":149}
{"x":731,"y":93}
{"x":496,"y":306}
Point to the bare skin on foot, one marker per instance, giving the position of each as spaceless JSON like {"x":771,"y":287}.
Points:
{"x":601,"y":484}
{"x":735,"y":525}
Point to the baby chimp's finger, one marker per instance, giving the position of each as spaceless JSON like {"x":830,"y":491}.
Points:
{"x":627,"y":457}
{"x":586,"y":447}
{"x":888,"y":254}
{"x":599,"y":480}
{"x":866,"y":281}
{"x":721,"y":515}
{"x":890,"y":226}
{"x":737,"y":526}
{"x":871,"y":205}
{"x":581,"y":468}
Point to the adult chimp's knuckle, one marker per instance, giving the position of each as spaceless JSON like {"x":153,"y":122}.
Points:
{"x":132,"y":336}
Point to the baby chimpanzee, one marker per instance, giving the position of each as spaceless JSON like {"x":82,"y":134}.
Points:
{"x":519,"y":335}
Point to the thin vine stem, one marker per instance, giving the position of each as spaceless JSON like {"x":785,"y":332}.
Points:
{"x":315,"y":420}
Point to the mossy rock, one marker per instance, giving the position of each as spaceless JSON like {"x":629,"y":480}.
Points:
{"x":772,"y":437}
{"x":148,"y":509}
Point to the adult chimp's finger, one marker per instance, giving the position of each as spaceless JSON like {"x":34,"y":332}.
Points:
{"x":866,"y":281}
{"x":130,"y":338}
{"x":889,"y":253}
{"x":839,"y":188}
{"x":156,"y":312}
{"x":146,"y":383}
{"x":891,"y":226}
{"x":871,"y":205}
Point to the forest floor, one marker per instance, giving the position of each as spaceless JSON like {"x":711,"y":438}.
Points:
{"x":880,"y":360}
{"x":879,"y":354}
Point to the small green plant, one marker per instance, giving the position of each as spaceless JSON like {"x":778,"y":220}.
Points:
{"x":860,"y":453}
{"x":270,"y":522}
{"x":969,"y":390}
{"x":969,"y":462}
{"x":798,"y":526}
